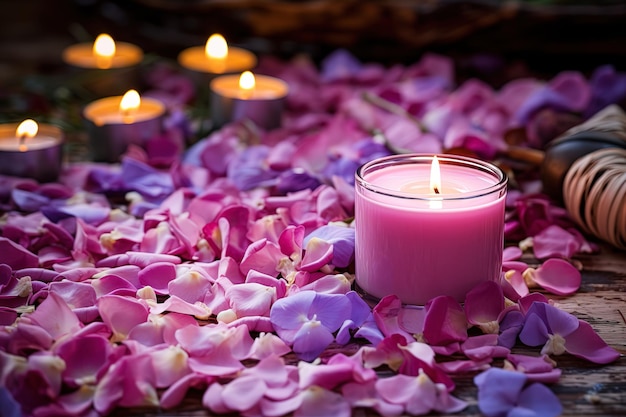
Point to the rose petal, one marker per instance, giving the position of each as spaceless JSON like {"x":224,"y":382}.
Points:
{"x":558,"y":276}
{"x":585,"y":343}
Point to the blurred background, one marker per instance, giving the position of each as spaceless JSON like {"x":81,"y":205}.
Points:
{"x":495,"y":41}
{"x":542,"y":36}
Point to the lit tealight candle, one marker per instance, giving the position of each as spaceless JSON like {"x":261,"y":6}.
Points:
{"x":259,"y":99}
{"x":104,"y":53}
{"x":31,"y":150}
{"x":216,"y":57}
{"x":107,"y":67}
{"x":428,"y":226}
{"x":113,"y":123}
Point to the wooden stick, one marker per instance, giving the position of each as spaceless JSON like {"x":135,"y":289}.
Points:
{"x":532,"y":156}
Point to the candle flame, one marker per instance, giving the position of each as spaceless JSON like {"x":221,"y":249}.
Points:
{"x":27,"y":129}
{"x":216,"y":47}
{"x":104,"y":46}
{"x":247,"y":81}
{"x":130,"y":101}
{"x":435,"y":176}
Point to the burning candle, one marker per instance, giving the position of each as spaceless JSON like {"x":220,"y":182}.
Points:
{"x":259,"y":98}
{"x":111,"y":66}
{"x":428,"y":226}
{"x":114,"y":123}
{"x":103,"y":53}
{"x":216,"y":57}
{"x":31,"y":150}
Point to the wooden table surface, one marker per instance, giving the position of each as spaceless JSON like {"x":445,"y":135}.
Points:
{"x":585,"y":388}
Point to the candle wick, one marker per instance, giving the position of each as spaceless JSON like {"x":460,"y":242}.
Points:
{"x":436,"y":189}
{"x":22,"y":143}
{"x":127,"y":116}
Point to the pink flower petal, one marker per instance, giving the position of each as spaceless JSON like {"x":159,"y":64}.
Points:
{"x":464,"y":366}
{"x":271,"y":408}
{"x":189,"y":285}
{"x":176,"y":392}
{"x":54,"y":315}
{"x":290,"y":241}
{"x":80,"y":368}
{"x":268,"y":344}
{"x":121,"y":314}
{"x":318,"y":401}
{"x":483,"y":305}
{"x":585,"y":343}
{"x":251,"y":299}
{"x":178,"y":305}
{"x":387,"y":316}
{"x":169,"y":364}
{"x":318,"y":253}
{"x":555,"y":241}
{"x":262,"y":256}
{"x":220,"y":363}
{"x":243,"y":393}
{"x":140,"y":259}
{"x":558,"y":276}
{"x":212,"y":399}
{"x":511,"y":253}
{"x":445,"y":321}
{"x":157,"y":275}
{"x":513,"y":285}
{"x":16,"y":256}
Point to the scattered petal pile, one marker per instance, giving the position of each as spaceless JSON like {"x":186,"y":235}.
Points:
{"x":212,"y":270}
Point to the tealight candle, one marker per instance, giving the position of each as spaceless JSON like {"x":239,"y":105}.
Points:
{"x":424,"y":230}
{"x":259,"y":98}
{"x":216,"y":57}
{"x":116,"y":63}
{"x":114,"y":123}
{"x":31,"y":150}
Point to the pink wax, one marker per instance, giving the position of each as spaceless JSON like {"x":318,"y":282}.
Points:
{"x":417,"y":244}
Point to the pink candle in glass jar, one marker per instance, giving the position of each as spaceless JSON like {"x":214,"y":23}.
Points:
{"x":419,"y":236}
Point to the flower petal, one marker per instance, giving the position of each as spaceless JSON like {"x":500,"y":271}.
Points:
{"x":498,"y":391}
{"x":445,"y":321}
{"x":585,"y":343}
{"x":538,"y":399}
{"x":558,"y":276}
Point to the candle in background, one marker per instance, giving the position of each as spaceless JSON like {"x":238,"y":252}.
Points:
{"x":104,"y":53}
{"x":216,"y":57}
{"x":31,"y":150}
{"x":419,"y":237}
{"x":113,"y":123}
{"x":111,"y":67}
{"x":259,"y":98}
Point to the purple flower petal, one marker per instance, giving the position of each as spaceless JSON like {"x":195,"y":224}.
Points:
{"x":288,"y":314}
{"x":339,"y":65}
{"x":498,"y":391}
{"x":510,"y":326}
{"x":538,"y":399}
{"x":342,"y":240}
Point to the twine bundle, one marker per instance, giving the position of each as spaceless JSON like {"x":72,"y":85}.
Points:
{"x":594,"y":193}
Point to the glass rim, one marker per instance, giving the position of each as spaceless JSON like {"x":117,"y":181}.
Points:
{"x":449,"y":159}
